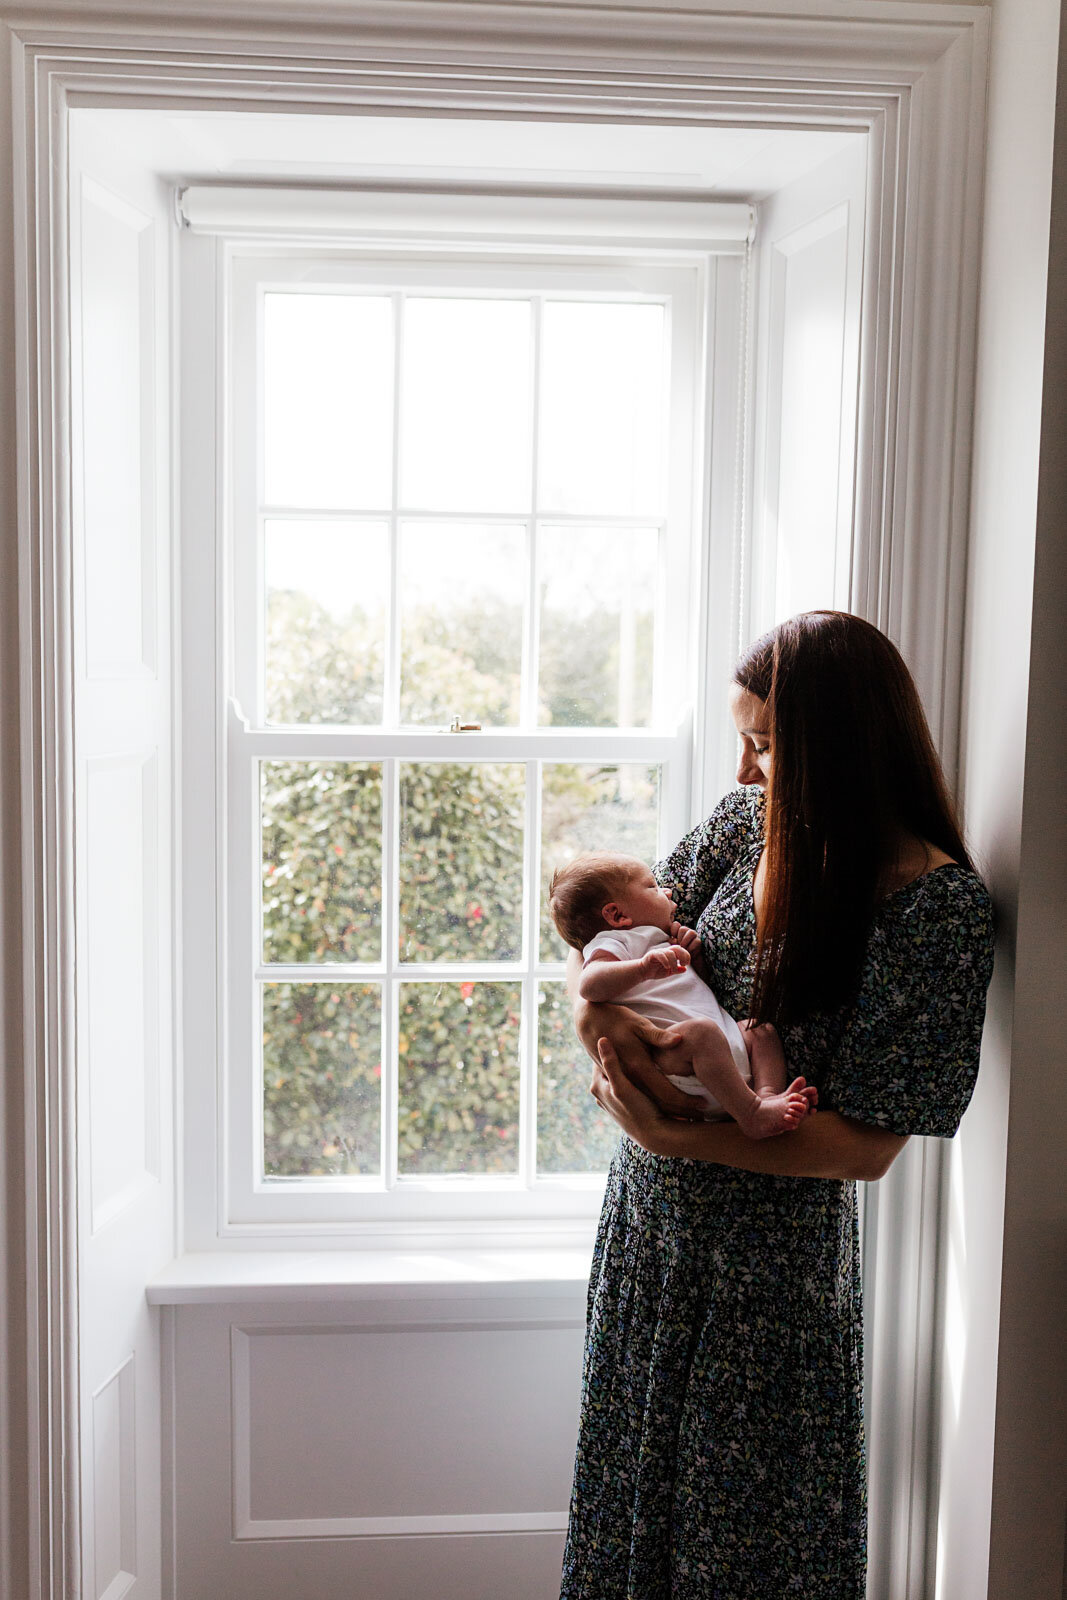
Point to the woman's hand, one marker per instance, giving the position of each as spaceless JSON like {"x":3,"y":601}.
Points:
{"x":638,"y":1116}
{"x":632,"y":1039}
{"x":824,"y":1146}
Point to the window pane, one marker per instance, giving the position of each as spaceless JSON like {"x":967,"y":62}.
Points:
{"x":459,"y":1078}
{"x":322,"y":860}
{"x":465,"y":429}
{"x":462,"y":591}
{"x":598,"y":597}
{"x":603,"y":408}
{"x":593,"y":808}
{"x":321,"y":1079}
{"x":573,"y":1133}
{"x":327,"y":601}
{"x":328,"y":407}
{"x":461,"y":841}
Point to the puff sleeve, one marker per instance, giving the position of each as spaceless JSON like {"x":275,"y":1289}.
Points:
{"x":907,"y":1054}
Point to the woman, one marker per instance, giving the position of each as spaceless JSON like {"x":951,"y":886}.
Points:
{"x":720,"y":1454}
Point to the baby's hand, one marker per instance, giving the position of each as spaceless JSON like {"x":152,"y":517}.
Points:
{"x":689,"y":939}
{"x":662,"y":963}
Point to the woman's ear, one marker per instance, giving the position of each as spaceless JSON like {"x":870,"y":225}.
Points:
{"x":615,"y":916}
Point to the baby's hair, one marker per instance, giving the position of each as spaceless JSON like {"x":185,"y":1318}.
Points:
{"x":580,"y":890}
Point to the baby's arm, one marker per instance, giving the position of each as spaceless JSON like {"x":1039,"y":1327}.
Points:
{"x":605,"y":977}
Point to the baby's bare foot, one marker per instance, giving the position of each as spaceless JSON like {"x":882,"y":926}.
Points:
{"x":778,"y":1113}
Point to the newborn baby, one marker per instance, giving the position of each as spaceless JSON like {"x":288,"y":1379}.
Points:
{"x":634,"y":952}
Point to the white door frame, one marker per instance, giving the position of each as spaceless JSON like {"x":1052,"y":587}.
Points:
{"x":913,"y":77}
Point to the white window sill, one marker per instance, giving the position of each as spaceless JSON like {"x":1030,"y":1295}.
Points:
{"x":226,"y":1277}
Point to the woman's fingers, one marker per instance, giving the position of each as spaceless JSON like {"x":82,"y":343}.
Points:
{"x":632,"y":1038}
{"x":618,"y":1080}
{"x":608,"y":1060}
{"x":607,"y":1073}
{"x":617,"y":1090}
{"x":651,"y":1082}
{"x":658,"y":1038}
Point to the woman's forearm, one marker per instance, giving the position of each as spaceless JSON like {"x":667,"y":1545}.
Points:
{"x":825,"y":1145}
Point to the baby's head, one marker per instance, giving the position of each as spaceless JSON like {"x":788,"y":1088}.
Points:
{"x":599,"y":891}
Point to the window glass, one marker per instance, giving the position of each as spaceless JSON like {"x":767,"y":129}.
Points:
{"x":322,"y":1069}
{"x":598,"y":606}
{"x":322,"y":860}
{"x":328,"y":414}
{"x":327,"y":602}
{"x":574,"y":1134}
{"x":462,"y":592}
{"x":465,"y":404}
{"x":603,"y":408}
{"x":459,"y":1078}
{"x":461,"y":511}
{"x":593,"y":808}
{"x":461,"y":859}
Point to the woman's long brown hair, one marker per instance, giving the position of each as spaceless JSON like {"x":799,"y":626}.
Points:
{"x":852,"y":765}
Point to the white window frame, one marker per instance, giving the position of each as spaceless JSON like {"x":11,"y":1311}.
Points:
{"x":918,"y":85}
{"x":687,"y":281}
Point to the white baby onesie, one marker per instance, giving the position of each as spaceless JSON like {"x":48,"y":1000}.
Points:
{"x":672,"y":999}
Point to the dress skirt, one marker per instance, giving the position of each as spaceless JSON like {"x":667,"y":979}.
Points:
{"x":720,"y":1453}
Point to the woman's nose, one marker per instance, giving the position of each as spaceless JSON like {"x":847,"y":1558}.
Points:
{"x":747,"y":768}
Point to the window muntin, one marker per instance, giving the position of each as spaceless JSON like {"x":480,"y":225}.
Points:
{"x":354,"y":605}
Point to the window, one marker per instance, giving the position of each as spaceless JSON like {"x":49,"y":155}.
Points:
{"x":464,"y":504}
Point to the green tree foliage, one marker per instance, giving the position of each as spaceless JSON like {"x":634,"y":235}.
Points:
{"x":461,"y":833}
{"x":458,"y":1049}
{"x":570,"y":1124}
{"x":322,"y":860}
{"x":460,"y":899}
{"x":321,"y":1078}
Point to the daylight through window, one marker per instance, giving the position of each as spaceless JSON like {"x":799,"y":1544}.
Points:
{"x":452,"y":512}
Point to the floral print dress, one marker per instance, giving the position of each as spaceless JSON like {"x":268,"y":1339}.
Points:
{"x":720,"y":1453}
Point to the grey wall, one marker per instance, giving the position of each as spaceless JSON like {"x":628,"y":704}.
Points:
{"x":1003,"y":1430}
{"x":1030,"y":1462}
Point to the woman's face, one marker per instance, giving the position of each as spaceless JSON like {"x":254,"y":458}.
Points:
{"x":750,"y":717}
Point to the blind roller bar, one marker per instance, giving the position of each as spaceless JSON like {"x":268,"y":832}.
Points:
{"x":405,"y":216}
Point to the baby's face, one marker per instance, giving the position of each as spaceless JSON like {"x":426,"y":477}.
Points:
{"x":644,"y":904}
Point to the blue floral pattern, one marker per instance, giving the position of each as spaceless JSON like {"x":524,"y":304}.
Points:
{"x":720,"y":1453}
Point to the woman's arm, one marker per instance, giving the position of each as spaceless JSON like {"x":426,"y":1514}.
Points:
{"x":826,"y":1145}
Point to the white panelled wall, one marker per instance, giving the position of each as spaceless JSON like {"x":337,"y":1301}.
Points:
{"x":375,"y":1448}
{"x":121,"y":238}
{"x":809,"y":254}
